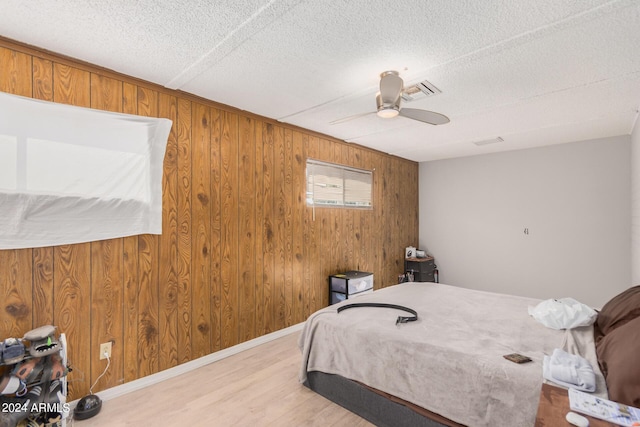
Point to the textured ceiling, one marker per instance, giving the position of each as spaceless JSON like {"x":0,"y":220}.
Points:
{"x":532,"y":72}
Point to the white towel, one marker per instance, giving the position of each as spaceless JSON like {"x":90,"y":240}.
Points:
{"x":569,"y":370}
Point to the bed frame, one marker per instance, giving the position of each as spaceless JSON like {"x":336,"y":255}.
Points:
{"x":377,"y":407}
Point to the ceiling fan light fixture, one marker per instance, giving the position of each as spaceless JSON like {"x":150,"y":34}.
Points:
{"x":388,"y":103}
{"x":387,"y":110}
{"x":387,"y":113}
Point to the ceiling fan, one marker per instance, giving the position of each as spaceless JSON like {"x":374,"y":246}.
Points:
{"x":388,"y":101}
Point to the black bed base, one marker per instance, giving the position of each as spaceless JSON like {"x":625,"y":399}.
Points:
{"x":369,"y":405}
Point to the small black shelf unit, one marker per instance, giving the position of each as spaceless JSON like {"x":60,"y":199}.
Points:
{"x":423,"y":269}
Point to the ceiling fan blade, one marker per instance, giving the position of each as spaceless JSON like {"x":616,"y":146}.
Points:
{"x":390,"y":87}
{"x":346,"y":119}
{"x":424,"y":116}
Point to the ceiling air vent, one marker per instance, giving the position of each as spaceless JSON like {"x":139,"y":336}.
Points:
{"x":488,"y":141}
{"x":419,"y":91}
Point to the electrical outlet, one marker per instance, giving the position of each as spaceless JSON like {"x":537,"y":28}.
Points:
{"x":105,"y":348}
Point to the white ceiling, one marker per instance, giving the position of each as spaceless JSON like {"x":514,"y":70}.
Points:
{"x":532,"y":72}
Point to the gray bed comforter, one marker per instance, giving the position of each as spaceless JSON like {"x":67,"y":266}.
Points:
{"x":450,"y":361}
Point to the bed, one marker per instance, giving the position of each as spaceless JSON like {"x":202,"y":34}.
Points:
{"x":447,"y":368}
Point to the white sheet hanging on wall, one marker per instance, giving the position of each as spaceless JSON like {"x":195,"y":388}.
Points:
{"x":70,"y":174}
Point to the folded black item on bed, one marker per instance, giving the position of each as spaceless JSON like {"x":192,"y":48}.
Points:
{"x":401,"y":319}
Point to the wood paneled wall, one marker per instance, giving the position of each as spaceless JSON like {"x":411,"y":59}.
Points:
{"x":240,"y":254}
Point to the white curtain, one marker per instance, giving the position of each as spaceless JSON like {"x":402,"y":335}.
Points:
{"x":70,"y":174}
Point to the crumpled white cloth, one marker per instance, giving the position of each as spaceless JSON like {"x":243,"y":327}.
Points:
{"x":563,"y":313}
{"x":569,"y":370}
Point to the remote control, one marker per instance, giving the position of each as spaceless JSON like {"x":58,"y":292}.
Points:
{"x":577,"y":420}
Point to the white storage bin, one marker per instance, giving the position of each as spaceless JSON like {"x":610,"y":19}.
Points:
{"x":347,"y":285}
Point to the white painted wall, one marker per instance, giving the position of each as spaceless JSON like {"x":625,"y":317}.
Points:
{"x":574,"y":199}
{"x":635,"y":204}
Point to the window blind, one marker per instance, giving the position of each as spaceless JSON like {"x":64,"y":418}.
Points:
{"x":336,"y":185}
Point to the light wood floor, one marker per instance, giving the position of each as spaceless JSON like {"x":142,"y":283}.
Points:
{"x":258,"y":387}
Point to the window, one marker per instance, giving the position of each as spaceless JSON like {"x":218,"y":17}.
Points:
{"x":71,"y":174}
{"x":335,"y":185}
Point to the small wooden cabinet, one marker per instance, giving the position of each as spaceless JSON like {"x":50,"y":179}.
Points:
{"x":423,"y":269}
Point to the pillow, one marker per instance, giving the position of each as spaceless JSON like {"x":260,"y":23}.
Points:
{"x":619,"y":310}
{"x":618,"y":354}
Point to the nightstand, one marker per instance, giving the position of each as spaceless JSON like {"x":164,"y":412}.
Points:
{"x":553,"y":408}
{"x":422,"y":268}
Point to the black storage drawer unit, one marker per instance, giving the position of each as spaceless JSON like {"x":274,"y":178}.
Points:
{"x":348,"y":285}
{"x":422,"y":268}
